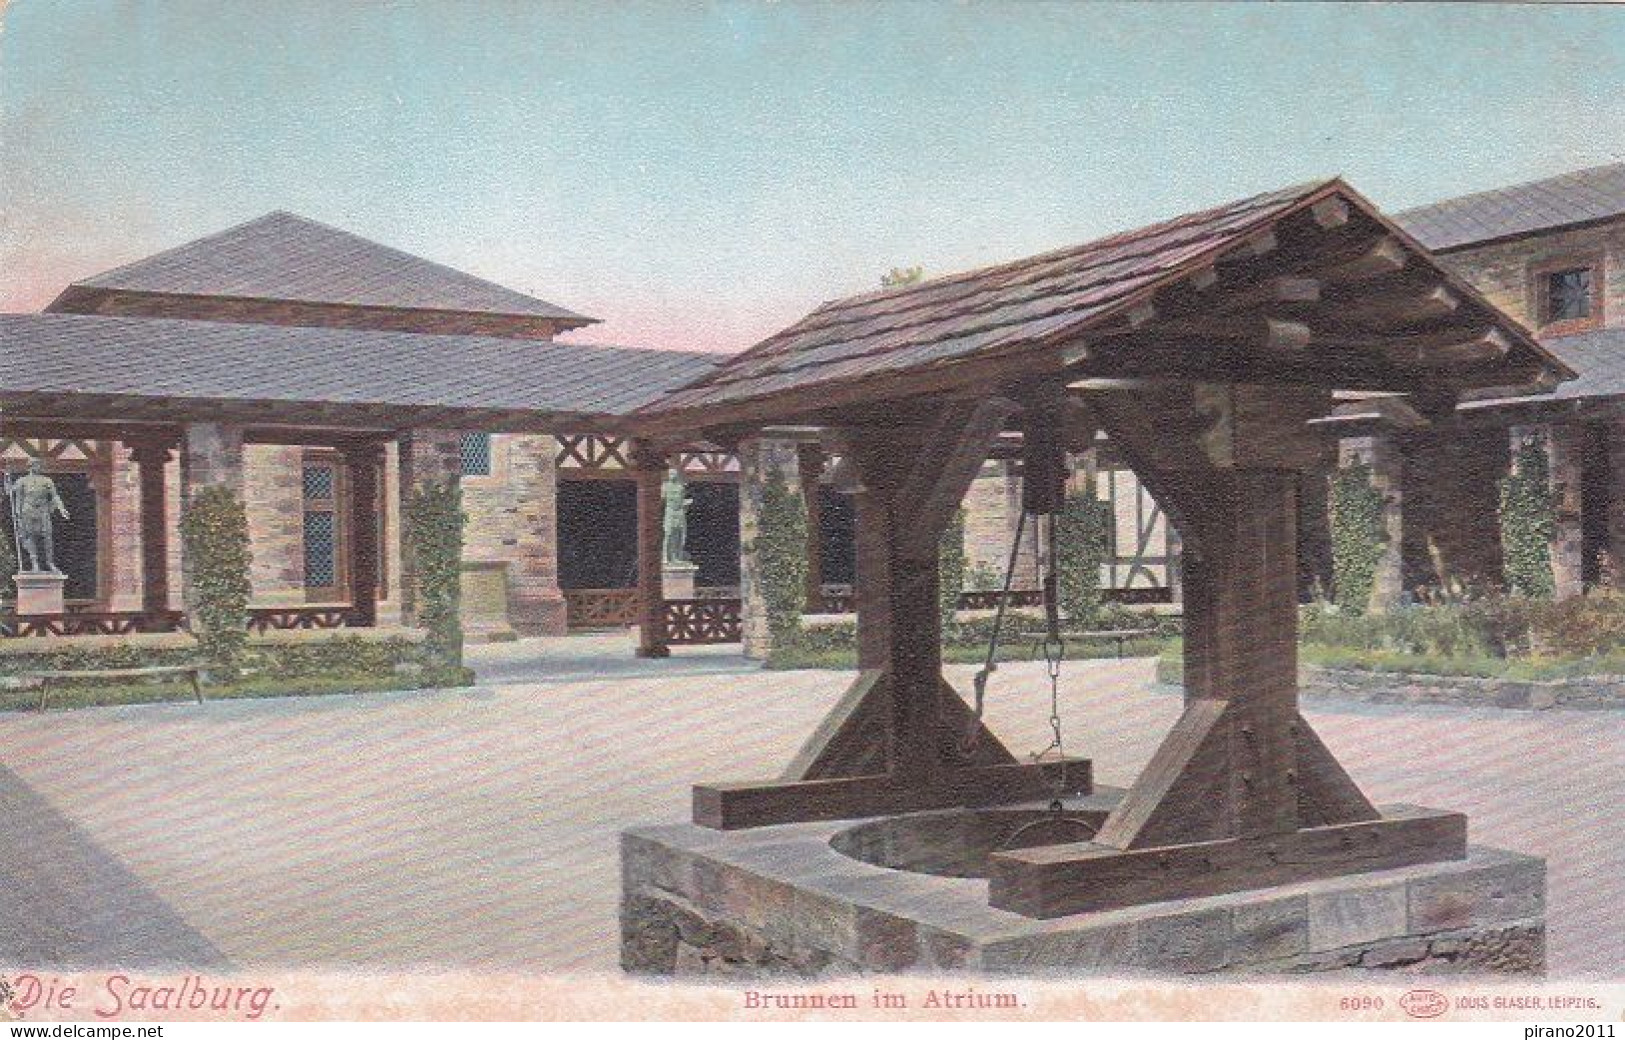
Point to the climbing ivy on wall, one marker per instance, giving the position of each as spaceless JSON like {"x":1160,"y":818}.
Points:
{"x":1080,"y":549}
{"x":214,"y":534}
{"x":1358,"y":537}
{"x":951,"y":568}
{"x":781,"y":555}
{"x":434,"y":550}
{"x":1528,"y":521}
{"x":8,"y":559}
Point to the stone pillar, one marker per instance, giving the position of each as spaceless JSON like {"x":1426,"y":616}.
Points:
{"x":535,"y":603}
{"x":150,"y":458}
{"x":1383,"y":455}
{"x":810,"y":468}
{"x":1614,"y":568}
{"x":757,"y":457}
{"x":365,"y":462}
{"x":649,"y":469}
{"x":211,"y":454}
{"x":427,"y":457}
{"x":1565,"y":447}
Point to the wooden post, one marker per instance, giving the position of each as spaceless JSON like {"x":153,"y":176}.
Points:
{"x":365,"y":464}
{"x":649,"y":468}
{"x":151,"y":457}
{"x":426,"y":457}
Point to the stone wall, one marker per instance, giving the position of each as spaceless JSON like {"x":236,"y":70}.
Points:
{"x":1501,"y":270}
{"x":1348,"y":684}
{"x":781,"y":901}
{"x":273,"y":494}
{"x":512,"y":525}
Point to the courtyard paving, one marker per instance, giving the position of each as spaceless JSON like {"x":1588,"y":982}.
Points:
{"x":477,"y":830}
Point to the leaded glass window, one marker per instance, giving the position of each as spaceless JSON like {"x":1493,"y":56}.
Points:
{"x":321,"y":556}
{"x":476,"y":454}
{"x":1568,"y":294}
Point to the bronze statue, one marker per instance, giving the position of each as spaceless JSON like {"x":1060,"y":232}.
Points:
{"x":33,"y":498}
{"x":674,"y":495}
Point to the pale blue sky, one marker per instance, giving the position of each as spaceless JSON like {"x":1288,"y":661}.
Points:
{"x":701,"y":174}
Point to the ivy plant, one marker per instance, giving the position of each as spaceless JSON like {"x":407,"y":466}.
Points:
{"x":434,"y":550}
{"x":1358,"y":537}
{"x":951,"y":569}
{"x":1081,"y":542}
{"x":781,"y":554}
{"x":1529,"y":521}
{"x":214,"y":533}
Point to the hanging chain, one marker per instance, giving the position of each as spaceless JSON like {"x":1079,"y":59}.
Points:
{"x":1054,"y":648}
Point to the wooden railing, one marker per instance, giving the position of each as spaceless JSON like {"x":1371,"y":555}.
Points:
{"x":698,"y":622}
{"x":292,"y":619}
{"x":600,"y":608}
{"x":88,"y":623}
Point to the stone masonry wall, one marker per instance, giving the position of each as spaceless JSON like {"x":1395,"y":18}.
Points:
{"x":512,"y":522}
{"x":1501,"y":270}
{"x":273,"y":497}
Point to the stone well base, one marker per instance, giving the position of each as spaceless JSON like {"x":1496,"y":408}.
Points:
{"x":781,"y":900}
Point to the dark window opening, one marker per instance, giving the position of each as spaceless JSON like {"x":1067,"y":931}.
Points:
{"x":1568,"y":294}
{"x":837,"y":537}
{"x":1598,"y":487}
{"x":713,"y":533}
{"x":475,"y":449}
{"x":598,"y":534}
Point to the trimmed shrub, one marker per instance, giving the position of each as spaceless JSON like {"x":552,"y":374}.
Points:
{"x":214,"y":532}
{"x":951,"y":570}
{"x":781,"y":554}
{"x":434,"y":547}
{"x":1529,"y":521}
{"x":1081,"y":539}
{"x":1358,"y":537}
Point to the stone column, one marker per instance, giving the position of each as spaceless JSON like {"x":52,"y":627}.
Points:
{"x":1614,"y":568}
{"x":535,"y":603}
{"x":365,"y":462}
{"x":211,"y":454}
{"x":427,"y":457}
{"x":649,"y":469}
{"x":810,"y":468}
{"x":150,"y":458}
{"x":1564,"y":447}
{"x":757,"y":457}
{"x":1382,"y":453}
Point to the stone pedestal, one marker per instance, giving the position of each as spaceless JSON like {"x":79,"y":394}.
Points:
{"x":874,"y":896}
{"x":677,"y":580}
{"x":39,"y":593}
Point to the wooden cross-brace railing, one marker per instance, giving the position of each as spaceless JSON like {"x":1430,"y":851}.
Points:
{"x":894,"y":742}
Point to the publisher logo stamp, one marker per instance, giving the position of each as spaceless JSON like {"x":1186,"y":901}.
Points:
{"x":1424,"y":1003}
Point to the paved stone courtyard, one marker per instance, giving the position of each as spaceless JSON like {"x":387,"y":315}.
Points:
{"x":477,"y":829}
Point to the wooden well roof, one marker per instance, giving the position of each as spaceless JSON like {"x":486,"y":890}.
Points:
{"x":1309,"y":285}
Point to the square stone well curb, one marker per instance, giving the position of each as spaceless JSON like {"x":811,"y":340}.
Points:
{"x":781,"y":900}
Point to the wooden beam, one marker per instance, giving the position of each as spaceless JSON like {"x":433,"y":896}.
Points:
{"x":1331,"y":212}
{"x":948,"y":461}
{"x":1449,"y":349}
{"x":1057,"y":880}
{"x":738,"y":806}
{"x":1386,"y":256}
{"x":1385,"y":312}
{"x":1265,"y":333}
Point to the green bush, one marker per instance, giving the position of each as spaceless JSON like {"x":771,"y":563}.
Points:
{"x":214,"y":533}
{"x":1081,"y":538}
{"x":434,"y":548}
{"x":1528,"y":521}
{"x":781,"y":554}
{"x":1358,"y":537}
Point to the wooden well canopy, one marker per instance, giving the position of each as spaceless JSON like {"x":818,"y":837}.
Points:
{"x":1203,"y":347}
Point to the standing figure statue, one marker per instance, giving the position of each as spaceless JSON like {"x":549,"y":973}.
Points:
{"x":676,"y":499}
{"x":33,"y":498}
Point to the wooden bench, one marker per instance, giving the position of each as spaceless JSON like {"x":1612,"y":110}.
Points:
{"x":1120,"y":636}
{"x":191,"y":671}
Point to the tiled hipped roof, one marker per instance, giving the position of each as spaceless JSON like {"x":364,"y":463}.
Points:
{"x":1573,"y":198}
{"x":159,"y":358}
{"x":281,"y":256}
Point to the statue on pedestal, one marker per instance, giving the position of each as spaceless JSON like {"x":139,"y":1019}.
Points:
{"x":33,"y":498}
{"x":674,"y":495}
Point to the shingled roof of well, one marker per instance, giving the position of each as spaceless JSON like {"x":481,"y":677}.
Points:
{"x":1579,"y":197}
{"x":283,"y":256}
{"x":167,"y":358}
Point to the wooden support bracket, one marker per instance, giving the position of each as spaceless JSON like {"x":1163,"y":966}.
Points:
{"x":1056,"y":880}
